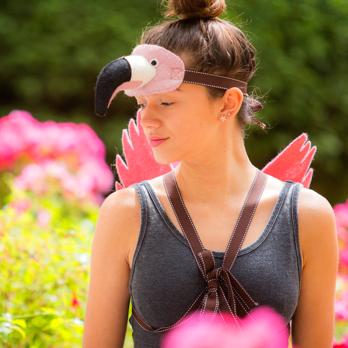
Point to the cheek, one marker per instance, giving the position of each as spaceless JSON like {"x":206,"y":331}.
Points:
{"x":191,"y":129}
{"x":200,"y":119}
{"x":191,"y":121}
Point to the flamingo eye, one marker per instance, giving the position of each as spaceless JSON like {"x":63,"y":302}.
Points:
{"x":154,"y":62}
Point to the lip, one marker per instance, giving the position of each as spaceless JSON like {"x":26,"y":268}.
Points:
{"x":154,"y":137}
{"x":155,"y":142}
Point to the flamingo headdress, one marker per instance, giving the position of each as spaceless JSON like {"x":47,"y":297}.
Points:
{"x":151,"y":69}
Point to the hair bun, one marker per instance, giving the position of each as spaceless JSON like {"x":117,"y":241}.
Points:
{"x":195,"y":8}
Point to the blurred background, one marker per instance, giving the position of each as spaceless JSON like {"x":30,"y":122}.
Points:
{"x":57,"y":158}
{"x":53,"y":50}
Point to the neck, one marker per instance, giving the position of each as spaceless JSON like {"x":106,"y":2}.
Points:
{"x":219,"y":174}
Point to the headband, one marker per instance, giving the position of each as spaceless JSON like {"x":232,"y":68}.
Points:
{"x":151,"y":69}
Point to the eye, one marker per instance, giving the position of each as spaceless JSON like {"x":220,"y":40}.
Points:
{"x":164,"y":103}
{"x":154,"y":62}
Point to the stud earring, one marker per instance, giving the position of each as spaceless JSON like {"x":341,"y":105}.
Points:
{"x":224,"y":116}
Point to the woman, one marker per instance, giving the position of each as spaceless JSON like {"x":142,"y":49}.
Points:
{"x":289,"y":257}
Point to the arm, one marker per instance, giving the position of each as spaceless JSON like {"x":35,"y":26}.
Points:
{"x":108,"y":295}
{"x":314,"y":320}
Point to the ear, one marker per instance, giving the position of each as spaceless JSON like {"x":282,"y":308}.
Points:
{"x":232,"y":101}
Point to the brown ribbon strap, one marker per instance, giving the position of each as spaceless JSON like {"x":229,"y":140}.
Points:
{"x":223,"y":289}
{"x":213,"y":80}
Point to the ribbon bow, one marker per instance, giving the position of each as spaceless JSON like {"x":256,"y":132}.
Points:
{"x":223,"y":292}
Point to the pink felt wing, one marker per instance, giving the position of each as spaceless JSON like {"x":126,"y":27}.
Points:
{"x":138,"y":155}
{"x":294,"y":162}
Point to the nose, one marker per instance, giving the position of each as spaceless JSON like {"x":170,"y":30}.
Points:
{"x":149,"y":118}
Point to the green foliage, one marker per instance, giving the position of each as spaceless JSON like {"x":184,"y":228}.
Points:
{"x":340,"y":331}
{"x":44,"y":271}
{"x":54,"y":57}
{"x":302,"y":51}
{"x":55,"y":49}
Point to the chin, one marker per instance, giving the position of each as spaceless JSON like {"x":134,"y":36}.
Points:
{"x":164,"y":160}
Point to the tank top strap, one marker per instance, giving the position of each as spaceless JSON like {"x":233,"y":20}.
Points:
{"x":294,"y":194}
{"x":144,"y":209}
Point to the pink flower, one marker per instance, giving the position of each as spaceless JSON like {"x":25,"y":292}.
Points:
{"x":87,"y":183}
{"x":344,"y":258}
{"x":262,"y":328}
{"x":43,"y":218}
{"x":341,"y":212}
{"x":341,"y":309}
{"x":20,"y":206}
{"x":18,"y":132}
{"x":66,"y":153}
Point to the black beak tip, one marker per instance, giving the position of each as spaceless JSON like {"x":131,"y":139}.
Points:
{"x":100,"y":113}
{"x":110,"y":77}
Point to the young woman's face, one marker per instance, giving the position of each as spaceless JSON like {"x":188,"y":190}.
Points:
{"x":187,"y":117}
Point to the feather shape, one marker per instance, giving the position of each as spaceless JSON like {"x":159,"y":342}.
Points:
{"x":294,"y":162}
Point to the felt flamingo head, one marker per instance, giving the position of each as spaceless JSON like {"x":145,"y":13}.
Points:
{"x":150,"y":69}
{"x":164,"y":70}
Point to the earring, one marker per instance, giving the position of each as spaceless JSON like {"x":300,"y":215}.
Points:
{"x":224,"y":116}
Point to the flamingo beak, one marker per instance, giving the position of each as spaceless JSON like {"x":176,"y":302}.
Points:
{"x":125,"y":73}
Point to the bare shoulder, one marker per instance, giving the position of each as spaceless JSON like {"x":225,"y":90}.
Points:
{"x":316,"y":224}
{"x":120,"y":206}
{"x":122,"y":199}
{"x":313,"y":325}
{"x":121,"y":211}
{"x":314,"y":210}
{"x":108,"y":293}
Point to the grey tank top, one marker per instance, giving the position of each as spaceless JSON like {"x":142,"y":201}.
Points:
{"x":165,"y":280}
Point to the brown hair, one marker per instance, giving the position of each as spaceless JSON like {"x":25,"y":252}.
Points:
{"x":209,"y":44}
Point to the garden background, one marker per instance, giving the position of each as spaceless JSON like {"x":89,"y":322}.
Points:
{"x":52,"y":51}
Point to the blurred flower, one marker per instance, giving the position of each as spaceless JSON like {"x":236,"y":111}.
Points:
{"x":83,"y":259}
{"x":341,"y":300}
{"x":262,"y":328}
{"x":41,"y":153}
{"x":341,"y":214}
{"x":342,"y":344}
{"x":43,"y":218}
{"x":341,"y":309}
{"x":20,"y":206}
{"x":75,"y":302}
{"x":344,"y":258}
